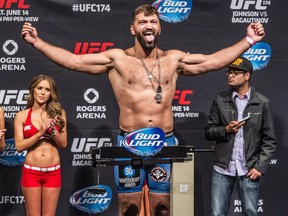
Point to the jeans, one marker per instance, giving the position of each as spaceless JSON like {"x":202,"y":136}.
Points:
{"x":222,"y":188}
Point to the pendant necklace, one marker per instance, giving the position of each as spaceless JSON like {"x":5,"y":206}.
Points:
{"x":158,"y":97}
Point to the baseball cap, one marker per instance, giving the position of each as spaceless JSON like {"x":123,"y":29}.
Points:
{"x":242,"y":64}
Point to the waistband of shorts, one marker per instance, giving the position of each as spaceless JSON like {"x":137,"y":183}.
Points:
{"x":42,"y":169}
{"x":124,"y":133}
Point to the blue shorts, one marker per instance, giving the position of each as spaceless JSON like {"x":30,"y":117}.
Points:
{"x":157,"y":176}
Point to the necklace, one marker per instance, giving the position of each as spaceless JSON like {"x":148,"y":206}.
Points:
{"x":150,"y":76}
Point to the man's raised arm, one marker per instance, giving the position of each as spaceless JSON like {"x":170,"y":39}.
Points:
{"x":193,"y":64}
{"x":89,"y":63}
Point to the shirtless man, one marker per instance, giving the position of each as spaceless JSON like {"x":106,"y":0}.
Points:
{"x":143,"y":79}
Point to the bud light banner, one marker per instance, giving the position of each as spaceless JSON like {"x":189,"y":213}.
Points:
{"x":10,"y":156}
{"x":145,"y":142}
{"x":173,"y":11}
{"x":92,"y":200}
{"x":259,"y":55}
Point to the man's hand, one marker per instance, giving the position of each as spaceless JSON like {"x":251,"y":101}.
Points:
{"x":256,"y":31}
{"x":29,"y":33}
{"x":234,"y":126}
{"x":254,"y":174}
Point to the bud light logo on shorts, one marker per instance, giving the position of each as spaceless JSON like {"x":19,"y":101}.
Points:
{"x":90,"y":201}
{"x":173,"y":11}
{"x":10,"y":156}
{"x":144,"y":142}
{"x":259,"y":55}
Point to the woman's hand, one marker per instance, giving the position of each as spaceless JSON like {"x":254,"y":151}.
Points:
{"x":2,"y":133}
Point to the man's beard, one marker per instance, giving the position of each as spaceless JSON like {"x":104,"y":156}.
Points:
{"x":145,"y":45}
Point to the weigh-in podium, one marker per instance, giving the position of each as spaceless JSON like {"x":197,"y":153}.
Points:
{"x":181,"y":159}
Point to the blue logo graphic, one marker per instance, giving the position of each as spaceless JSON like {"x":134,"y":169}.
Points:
{"x":10,"y":156}
{"x":92,"y":202}
{"x":259,"y":55}
{"x":145,"y":142}
{"x":128,"y":171}
{"x":173,"y":11}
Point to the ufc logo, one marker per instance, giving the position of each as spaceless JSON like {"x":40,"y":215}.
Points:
{"x":8,"y":3}
{"x":85,"y":144}
{"x":181,"y":96}
{"x":19,"y":96}
{"x":91,"y":47}
{"x":245,"y":4}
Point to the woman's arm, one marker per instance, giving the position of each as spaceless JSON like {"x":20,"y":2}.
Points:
{"x":2,"y":129}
